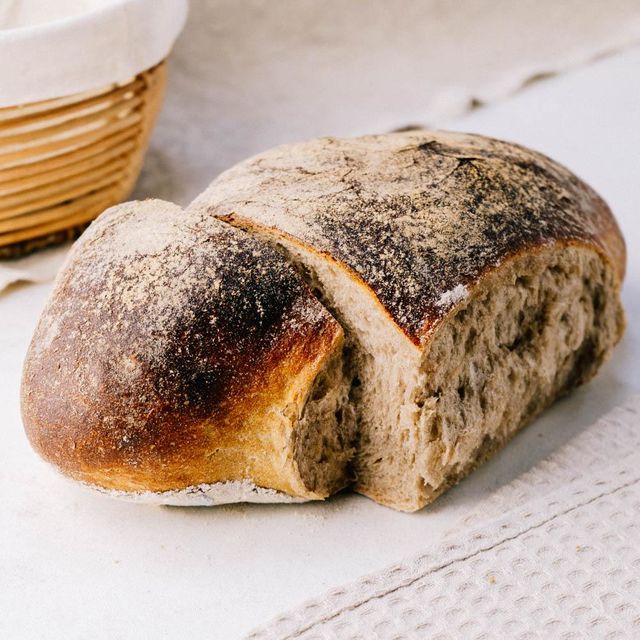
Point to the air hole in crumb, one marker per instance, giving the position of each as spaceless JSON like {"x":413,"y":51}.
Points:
{"x":321,"y":390}
{"x":598,"y":300}
{"x":585,"y":358}
{"x":473,"y":334}
{"x":522,"y":340}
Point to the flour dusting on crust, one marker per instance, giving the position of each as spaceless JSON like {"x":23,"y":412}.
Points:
{"x":449,"y":298}
{"x":414,"y":214}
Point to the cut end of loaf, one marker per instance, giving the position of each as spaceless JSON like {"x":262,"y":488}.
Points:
{"x":324,"y":438}
{"x":538,"y":326}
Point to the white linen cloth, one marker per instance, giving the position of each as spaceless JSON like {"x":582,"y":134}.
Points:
{"x":247,"y":76}
{"x":37,"y":267}
{"x":54,"y":48}
{"x":565,"y":565}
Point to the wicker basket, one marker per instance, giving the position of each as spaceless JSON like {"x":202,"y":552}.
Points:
{"x":63,"y":161}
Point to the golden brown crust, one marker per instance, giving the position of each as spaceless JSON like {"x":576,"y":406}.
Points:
{"x":416,"y":214}
{"x":167,"y":352}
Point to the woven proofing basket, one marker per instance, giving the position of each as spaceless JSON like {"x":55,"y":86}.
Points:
{"x":63,"y":161}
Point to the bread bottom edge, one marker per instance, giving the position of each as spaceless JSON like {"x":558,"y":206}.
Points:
{"x":201,"y":495}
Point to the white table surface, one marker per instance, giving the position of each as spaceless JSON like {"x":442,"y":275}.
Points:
{"x":78,"y":565}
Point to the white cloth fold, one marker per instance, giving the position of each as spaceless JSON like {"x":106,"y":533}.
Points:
{"x":36,"y":268}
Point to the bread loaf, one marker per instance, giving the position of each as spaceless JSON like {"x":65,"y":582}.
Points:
{"x":181,"y":361}
{"x":384,"y":311}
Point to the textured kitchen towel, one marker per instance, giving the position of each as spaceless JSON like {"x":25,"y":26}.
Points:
{"x":566,"y":565}
{"x":587,"y":454}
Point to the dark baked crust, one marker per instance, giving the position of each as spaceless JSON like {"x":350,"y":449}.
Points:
{"x":166,"y":341}
{"x":416,"y":214}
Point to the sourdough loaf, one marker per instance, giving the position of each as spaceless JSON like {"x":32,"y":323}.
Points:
{"x":181,"y":361}
{"x":476,"y":282}
{"x":385,"y":311}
